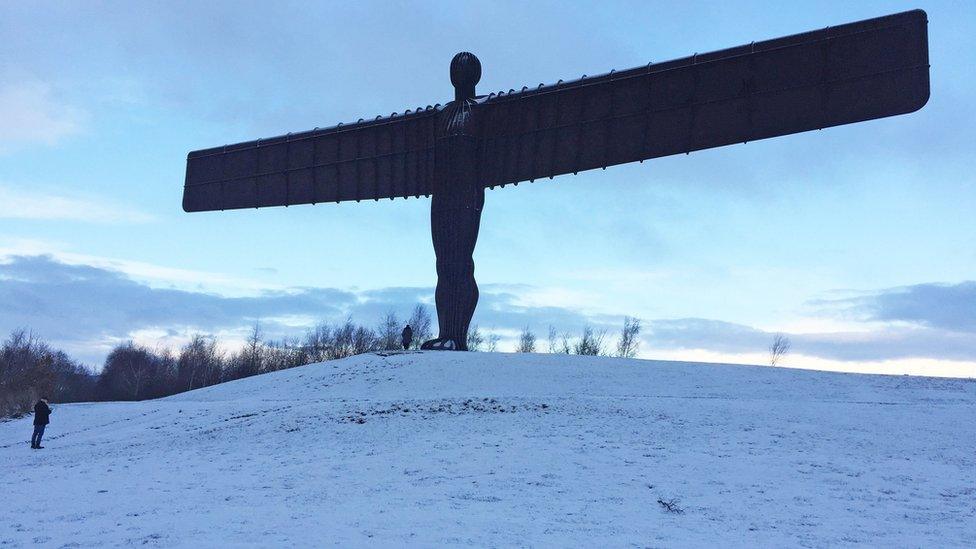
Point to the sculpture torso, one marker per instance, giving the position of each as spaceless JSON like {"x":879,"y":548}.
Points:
{"x":456,"y":181}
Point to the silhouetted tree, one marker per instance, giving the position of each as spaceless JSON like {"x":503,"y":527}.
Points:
{"x":778,"y":349}
{"x":526,"y":341}
{"x":133,"y":372}
{"x":475,"y":339}
{"x":421,"y":324}
{"x":318,"y":343}
{"x":283,"y":354}
{"x":389,"y":332}
{"x":249,"y":360}
{"x":565,"y":347}
{"x":493,"y":339}
{"x":199,"y":363}
{"x":364,"y":341}
{"x":590,"y":343}
{"x":628,"y":342}
{"x":25,"y":372}
{"x":343,"y":337}
{"x":73,"y":382}
{"x":165,"y":381}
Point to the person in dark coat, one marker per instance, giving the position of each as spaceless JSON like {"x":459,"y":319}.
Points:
{"x":42,"y":414}
{"x":407,"y":337}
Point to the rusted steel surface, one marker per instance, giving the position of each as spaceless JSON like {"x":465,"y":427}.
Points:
{"x":382,"y":158}
{"x":829,"y":77}
{"x":837,"y":75}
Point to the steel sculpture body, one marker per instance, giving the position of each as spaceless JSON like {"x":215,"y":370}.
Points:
{"x":829,"y":77}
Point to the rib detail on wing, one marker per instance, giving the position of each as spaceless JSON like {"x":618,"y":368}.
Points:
{"x":829,"y":77}
{"x":387,"y":157}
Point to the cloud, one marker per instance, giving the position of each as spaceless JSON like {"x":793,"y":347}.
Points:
{"x":32,"y":204}
{"x":32,"y":114}
{"x":888,"y":343}
{"x":77,"y":302}
{"x":156,"y":276}
{"x":83,"y":307}
{"x":931,"y":305}
{"x":700,"y":333}
{"x":946,"y":306}
{"x":877,"y":344}
{"x":88,"y":308}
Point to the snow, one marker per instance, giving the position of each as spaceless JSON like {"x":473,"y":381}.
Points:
{"x":433,"y":449}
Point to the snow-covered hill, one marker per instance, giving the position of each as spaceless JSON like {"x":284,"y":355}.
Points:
{"x":500,"y":449}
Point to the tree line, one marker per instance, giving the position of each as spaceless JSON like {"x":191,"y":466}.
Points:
{"x":30,"y":369}
{"x":590,"y":342}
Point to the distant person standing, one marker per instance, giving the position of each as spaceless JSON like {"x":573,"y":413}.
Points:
{"x":407,"y":337}
{"x":42,"y":414}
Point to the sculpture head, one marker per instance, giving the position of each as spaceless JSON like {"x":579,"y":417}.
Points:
{"x":465,"y":74}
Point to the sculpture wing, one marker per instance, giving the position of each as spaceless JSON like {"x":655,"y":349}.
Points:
{"x":838,"y":75}
{"x":383,"y":158}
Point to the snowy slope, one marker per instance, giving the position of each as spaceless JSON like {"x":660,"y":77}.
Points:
{"x":501,"y":449}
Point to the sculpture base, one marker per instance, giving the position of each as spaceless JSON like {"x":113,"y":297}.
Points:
{"x":440,"y":344}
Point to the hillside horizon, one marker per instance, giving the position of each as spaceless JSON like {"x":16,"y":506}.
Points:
{"x":427,"y":448}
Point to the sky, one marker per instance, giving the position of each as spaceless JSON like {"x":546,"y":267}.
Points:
{"x":857,"y":242}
